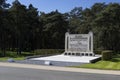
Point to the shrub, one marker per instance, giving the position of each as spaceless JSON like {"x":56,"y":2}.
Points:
{"x":98,"y":52}
{"x":107,"y":55}
{"x":48,"y":51}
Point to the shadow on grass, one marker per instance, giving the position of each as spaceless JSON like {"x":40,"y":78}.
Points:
{"x":115,"y":60}
{"x":15,"y":55}
{"x":28,"y":54}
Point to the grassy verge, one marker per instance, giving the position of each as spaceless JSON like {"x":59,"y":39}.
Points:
{"x":13,"y":55}
{"x":102,"y":65}
{"x":6,"y":58}
{"x":113,"y":64}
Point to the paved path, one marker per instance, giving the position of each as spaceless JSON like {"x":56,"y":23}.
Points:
{"x":54,"y":68}
{"x":10,"y":73}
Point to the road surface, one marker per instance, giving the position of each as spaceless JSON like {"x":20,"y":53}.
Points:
{"x":11,"y":73}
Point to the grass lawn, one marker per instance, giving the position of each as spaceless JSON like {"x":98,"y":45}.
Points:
{"x":16,"y":58}
{"x":113,"y":64}
{"x":13,"y":55}
{"x":102,"y":65}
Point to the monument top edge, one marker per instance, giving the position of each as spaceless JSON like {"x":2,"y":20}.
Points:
{"x":90,"y":32}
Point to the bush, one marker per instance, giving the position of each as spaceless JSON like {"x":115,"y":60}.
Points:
{"x":107,"y":55}
{"x":48,"y":51}
{"x":98,"y":52}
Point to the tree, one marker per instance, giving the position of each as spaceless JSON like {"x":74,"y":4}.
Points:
{"x":54,"y":28}
{"x":109,"y":27}
{"x":19,"y":22}
{"x":3,"y":4}
{"x":22,"y":27}
{"x":102,"y":19}
{"x":74,"y":18}
{"x":34,"y":29}
{"x":3,"y":26}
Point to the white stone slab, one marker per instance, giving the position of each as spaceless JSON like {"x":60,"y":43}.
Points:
{"x":47,"y":63}
{"x":64,"y":58}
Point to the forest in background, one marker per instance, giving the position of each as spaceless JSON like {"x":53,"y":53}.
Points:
{"x":24,"y":28}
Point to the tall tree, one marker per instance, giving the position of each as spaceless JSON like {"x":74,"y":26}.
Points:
{"x":74,"y":18}
{"x":35,"y":28}
{"x":3,"y":26}
{"x":108,"y":23}
{"x":19,"y":16}
{"x":54,"y":28}
{"x":3,"y":4}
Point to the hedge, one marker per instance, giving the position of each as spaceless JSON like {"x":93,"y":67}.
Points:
{"x":107,"y":55}
{"x":99,"y":52}
{"x":48,"y":51}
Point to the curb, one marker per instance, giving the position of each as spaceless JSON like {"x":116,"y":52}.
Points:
{"x":56,"y":68}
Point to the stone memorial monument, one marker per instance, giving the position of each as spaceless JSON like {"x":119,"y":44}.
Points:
{"x":79,"y":44}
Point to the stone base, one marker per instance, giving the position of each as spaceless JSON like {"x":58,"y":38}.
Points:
{"x":79,"y":53}
{"x":66,"y":58}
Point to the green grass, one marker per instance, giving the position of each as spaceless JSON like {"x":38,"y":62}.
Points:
{"x":102,"y":65}
{"x":113,"y":64}
{"x":13,"y":55}
{"x":6,"y":58}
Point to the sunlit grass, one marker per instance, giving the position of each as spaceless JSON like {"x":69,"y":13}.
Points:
{"x":113,"y":64}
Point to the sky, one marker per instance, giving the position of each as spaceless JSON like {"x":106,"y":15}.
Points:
{"x":61,"y":5}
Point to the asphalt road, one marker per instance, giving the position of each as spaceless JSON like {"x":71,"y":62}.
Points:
{"x":8,"y":73}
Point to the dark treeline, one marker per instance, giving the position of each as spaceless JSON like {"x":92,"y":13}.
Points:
{"x":25,"y":28}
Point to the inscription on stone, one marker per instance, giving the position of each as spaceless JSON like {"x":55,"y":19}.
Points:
{"x":78,"y":43}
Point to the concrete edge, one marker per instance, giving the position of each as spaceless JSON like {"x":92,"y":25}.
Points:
{"x":56,"y":68}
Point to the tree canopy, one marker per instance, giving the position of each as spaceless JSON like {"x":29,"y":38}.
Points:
{"x":24,"y":28}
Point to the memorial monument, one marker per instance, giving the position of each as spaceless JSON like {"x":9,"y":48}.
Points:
{"x":78,"y":49}
{"x":79,"y":44}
